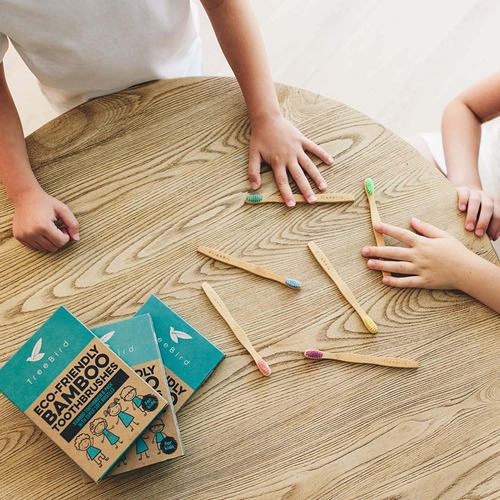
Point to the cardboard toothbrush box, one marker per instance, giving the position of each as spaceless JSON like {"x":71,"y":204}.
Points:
{"x":188,"y":357}
{"x":65,"y":380}
{"x":135,"y":342}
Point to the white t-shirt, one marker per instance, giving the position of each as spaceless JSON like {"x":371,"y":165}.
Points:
{"x":79,"y":49}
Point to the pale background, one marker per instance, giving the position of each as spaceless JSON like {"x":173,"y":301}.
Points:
{"x":398,"y":61}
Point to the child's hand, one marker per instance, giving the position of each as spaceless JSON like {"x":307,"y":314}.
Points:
{"x":435,"y":260}
{"x":35,"y":215}
{"x":277,"y":142}
{"x":483,"y":211}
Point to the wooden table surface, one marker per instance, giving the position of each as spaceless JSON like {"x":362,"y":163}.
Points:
{"x":154,"y":171}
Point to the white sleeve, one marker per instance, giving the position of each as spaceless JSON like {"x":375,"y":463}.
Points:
{"x":4,"y":43}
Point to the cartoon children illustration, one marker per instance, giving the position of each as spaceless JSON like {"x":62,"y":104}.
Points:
{"x":99,"y":427}
{"x":114,"y":409}
{"x":141,"y":447}
{"x":156,"y":428}
{"x":128,"y":394}
{"x":121,"y":460}
{"x":84,"y":442}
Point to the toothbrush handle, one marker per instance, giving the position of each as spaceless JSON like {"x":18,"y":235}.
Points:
{"x":228,"y":318}
{"x":235,"y":262}
{"x":372,"y":360}
{"x":330,"y":270}
{"x":379,"y":239}
{"x":375,"y":218}
{"x":321,"y":198}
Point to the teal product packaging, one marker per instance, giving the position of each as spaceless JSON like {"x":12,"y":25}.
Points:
{"x":188,"y":357}
{"x":135,"y":342}
{"x":67,"y":381}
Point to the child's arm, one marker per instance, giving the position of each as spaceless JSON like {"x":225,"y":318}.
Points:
{"x":34,"y":210}
{"x":435,"y":260}
{"x":274,"y":140}
{"x":461,"y":128}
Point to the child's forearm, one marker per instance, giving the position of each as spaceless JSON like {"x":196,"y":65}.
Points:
{"x":461,"y":131}
{"x":236,"y":28}
{"x":15,"y":170}
{"x":481,"y":279}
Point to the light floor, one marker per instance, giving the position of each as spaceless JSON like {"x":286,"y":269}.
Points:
{"x":398,"y":61}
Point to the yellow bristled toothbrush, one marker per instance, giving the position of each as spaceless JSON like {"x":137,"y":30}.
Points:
{"x":344,"y":289}
{"x":370,"y":193}
{"x":350,"y":357}
{"x":320,"y":198}
{"x":251,"y":268}
{"x":237,"y":330}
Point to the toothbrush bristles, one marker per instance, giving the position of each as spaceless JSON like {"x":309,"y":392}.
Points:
{"x":264,"y":367}
{"x":254,"y":198}
{"x":293,"y":283}
{"x":370,"y":325}
{"x":369,"y":185}
{"x":313,"y":354}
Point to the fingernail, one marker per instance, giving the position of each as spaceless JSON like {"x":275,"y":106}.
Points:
{"x":385,"y":279}
{"x":414,"y":219}
{"x":77,"y":237}
{"x":290,"y":203}
{"x":469,"y":226}
{"x":312,"y":199}
{"x":329,"y":160}
{"x":370,"y":263}
{"x":377,"y":225}
{"x":479,"y":232}
{"x":322,"y":185}
{"x":462,"y":207}
{"x":254,"y":185}
{"x":365,"y":250}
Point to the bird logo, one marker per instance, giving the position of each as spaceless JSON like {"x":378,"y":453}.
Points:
{"x":106,"y":337}
{"x":175,"y":335}
{"x":36,"y":355}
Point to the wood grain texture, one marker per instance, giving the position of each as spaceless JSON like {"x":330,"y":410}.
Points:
{"x":157,"y":170}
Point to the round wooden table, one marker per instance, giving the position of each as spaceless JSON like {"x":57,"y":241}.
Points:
{"x":156,"y":170}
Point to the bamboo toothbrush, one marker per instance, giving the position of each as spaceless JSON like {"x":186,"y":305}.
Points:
{"x":237,"y":330}
{"x":370,"y":193}
{"x":344,"y":289}
{"x":251,"y":268}
{"x":321,"y":198}
{"x":350,"y":357}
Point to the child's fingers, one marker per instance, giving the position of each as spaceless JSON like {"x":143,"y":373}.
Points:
{"x":485,"y":215}
{"x":281,"y":178}
{"x":406,"y":282}
{"x":472,"y":210}
{"x":66,"y":215}
{"x":313,"y":171}
{"x":392,"y":266}
{"x":398,"y":233}
{"x":494,"y":227}
{"x":463,"y":197}
{"x":26,"y":244}
{"x":395,"y":253}
{"x":301,"y":180}
{"x":39,"y":247}
{"x":56,"y":237}
{"x":47,"y":245}
{"x":318,"y":151}
{"x":427,"y":229}
{"x":254,"y":164}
